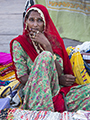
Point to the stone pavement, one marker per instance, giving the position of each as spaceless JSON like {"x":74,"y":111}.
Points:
{"x":11,"y":23}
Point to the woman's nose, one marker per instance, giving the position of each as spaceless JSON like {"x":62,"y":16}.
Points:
{"x":35,"y":23}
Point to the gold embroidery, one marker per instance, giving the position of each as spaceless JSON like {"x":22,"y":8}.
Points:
{"x":59,"y":4}
{"x":78,"y":7}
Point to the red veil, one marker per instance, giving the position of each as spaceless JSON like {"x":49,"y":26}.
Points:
{"x":53,"y":36}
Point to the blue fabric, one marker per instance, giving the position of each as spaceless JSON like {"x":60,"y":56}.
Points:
{"x":4,"y":83}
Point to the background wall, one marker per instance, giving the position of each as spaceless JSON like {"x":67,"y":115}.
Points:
{"x":11,"y":23}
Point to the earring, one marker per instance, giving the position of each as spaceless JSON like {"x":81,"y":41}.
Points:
{"x":26,"y":26}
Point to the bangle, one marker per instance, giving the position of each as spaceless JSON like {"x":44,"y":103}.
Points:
{"x":54,"y":56}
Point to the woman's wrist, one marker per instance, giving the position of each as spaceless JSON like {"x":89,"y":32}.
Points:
{"x":48,"y":48}
{"x":61,"y":82}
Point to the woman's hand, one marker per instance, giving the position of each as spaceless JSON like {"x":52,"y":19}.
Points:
{"x":24,"y":79}
{"x":41,"y":39}
{"x":66,"y":80}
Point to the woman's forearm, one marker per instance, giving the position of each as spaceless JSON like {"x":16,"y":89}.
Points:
{"x":59,"y":69}
{"x":48,"y":48}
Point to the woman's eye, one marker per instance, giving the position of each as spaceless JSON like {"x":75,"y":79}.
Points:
{"x":31,"y":19}
{"x":40,"y":20}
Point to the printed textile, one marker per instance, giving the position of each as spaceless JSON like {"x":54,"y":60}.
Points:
{"x":18,"y":114}
{"x":78,"y":98}
{"x":39,"y":84}
{"x":71,"y":17}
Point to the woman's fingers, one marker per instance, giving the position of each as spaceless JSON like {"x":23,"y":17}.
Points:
{"x":67,"y":80}
{"x":34,"y":33}
{"x":70,"y":78}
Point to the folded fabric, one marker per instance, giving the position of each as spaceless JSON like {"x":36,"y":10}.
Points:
{"x":7,"y":70}
{"x":9,"y":76}
{"x":5,"y":102}
{"x":78,"y":64}
{"x":2,"y":67}
{"x":82,"y":115}
{"x":4,"y":83}
{"x":5,"y":58}
{"x":3,"y":114}
{"x":13,"y":85}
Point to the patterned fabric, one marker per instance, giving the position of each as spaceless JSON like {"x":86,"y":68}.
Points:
{"x":5,"y":58}
{"x":22,"y":60}
{"x":19,"y":114}
{"x":23,"y":63}
{"x":4,"y":69}
{"x":4,"y":83}
{"x":65,"y":14}
{"x":78,"y":98}
{"x":42,"y":84}
{"x":3,"y":114}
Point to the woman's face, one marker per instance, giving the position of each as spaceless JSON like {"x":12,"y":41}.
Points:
{"x":35,"y":21}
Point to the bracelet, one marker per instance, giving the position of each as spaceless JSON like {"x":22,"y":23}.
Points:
{"x":54,"y":56}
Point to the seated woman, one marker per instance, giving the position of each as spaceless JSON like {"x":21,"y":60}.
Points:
{"x":40,"y":60}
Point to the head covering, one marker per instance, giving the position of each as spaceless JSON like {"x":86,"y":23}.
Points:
{"x":28,"y":4}
{"x":53,"y":36}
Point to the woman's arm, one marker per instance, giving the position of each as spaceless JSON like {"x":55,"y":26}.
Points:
{"x":20,"y":62}
{"x":41,"y":39}
{"x":58,"y":66}
{"x":65,"y":80}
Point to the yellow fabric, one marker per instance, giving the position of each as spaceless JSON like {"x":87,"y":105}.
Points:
{"x":13,"y":86}
{"x":69,"y":49}
{"x":8,"y":76}
{"x":14,"y":82}
{"x":5,"y":66}
{"x":79,"y":70}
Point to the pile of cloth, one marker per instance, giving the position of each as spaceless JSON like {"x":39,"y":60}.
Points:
{"x":9,"y":85}
{"x":80,"y":61}
{"x":7,"y":72}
